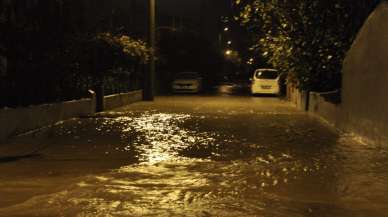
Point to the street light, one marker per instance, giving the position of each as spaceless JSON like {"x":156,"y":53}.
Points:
{"x":149,"y":87}
{"x":226,"y":29}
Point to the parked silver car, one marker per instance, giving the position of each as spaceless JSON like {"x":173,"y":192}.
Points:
{"x":187,"y":82}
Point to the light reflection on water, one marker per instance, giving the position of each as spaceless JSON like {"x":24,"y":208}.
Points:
{"x":160,"y":138}
{"x":192,"y":165}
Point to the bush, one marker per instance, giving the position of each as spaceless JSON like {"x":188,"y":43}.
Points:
{"x":44,"y":68}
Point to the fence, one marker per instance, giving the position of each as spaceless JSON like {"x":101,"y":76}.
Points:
{"x":32,"y":90}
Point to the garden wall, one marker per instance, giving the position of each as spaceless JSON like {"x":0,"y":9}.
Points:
{"x":122,"y":99}
{"x":365,"y":79}
{"x":21,"y":120}
{"x":364,"y":106}
{"x":297,"y":97}
{"x":330,"y":112}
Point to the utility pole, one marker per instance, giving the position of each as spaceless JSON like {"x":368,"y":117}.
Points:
{"x":149,"y":87}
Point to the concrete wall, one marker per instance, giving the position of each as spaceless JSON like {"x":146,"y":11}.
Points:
{"x":364,"y":107}
{"x":330,"y":112}
{"x":297,"y":97}
{"x":21,"y":120}
{"x":118,"y":100}
{"x":365,"y":79}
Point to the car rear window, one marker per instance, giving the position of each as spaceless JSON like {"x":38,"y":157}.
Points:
{"x":267,"y":74}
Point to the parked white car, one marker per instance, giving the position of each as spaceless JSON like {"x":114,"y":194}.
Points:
{"x":265,"y":81}
{"x":187,"y":82}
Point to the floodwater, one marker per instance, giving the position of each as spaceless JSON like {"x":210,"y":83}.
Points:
{"x":242,"y":157}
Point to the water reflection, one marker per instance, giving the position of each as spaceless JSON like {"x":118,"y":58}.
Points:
{"x":270,"y":165}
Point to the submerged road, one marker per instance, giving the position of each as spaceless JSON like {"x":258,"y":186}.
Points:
{"x":194,"y":156}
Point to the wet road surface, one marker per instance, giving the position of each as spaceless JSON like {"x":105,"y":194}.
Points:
{"x":194,"y":156}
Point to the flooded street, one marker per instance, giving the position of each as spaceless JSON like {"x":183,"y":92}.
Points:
{"x":194,"y":156}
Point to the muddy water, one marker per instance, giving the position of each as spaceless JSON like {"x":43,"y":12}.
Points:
{"x":196,"y":164}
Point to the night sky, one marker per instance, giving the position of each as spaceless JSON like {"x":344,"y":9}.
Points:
{"x":180,"y":7}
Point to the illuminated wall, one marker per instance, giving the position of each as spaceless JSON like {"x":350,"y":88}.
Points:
{"x":365,"y":79}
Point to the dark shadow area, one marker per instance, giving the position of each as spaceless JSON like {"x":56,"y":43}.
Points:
{"x":265,"y":95}
{"x":10,"y":159}
{"x":333,"y":97}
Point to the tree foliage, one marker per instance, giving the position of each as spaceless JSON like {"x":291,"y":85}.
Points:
{"x":44,"y":68}
{"x":54,"y":51}
{"x":104,"y":54}
{"x":307,"y":39}
{"x":126,"y":47}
